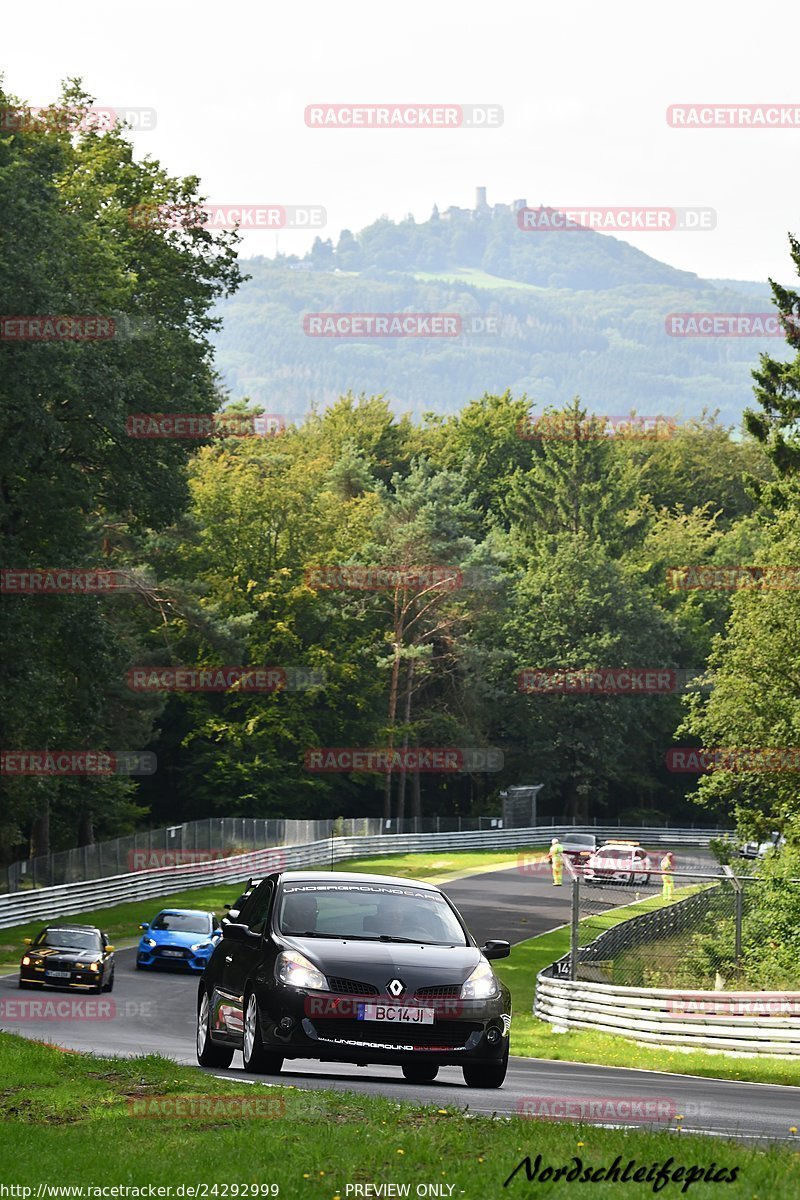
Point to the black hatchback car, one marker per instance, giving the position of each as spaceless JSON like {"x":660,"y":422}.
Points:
{"x":354,"y":969}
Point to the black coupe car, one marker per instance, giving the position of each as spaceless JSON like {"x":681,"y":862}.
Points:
{"x":68,"y":956}
{"x":354,"y":969}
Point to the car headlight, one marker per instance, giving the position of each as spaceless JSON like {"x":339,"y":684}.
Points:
{"x":95,"y":966}
{"x":149,"y":942}
{"x":26,"y":962}
{"x":482,"y":984}
{"x":293,"y":968}
{"x":201,"y":946}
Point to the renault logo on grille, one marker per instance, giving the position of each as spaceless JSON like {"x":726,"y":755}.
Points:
{"x":395,"y":987}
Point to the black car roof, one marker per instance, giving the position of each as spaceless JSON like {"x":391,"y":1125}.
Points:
{"x":354,"y":877}
{"x":73,"y":928}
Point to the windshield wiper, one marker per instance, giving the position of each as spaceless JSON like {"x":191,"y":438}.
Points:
{"x":339,"y":937}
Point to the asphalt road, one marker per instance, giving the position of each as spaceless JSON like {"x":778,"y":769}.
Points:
{"x":153,"y":1012}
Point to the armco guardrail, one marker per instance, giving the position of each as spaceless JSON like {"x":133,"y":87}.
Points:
{"x":193,"y":841}
{"x":71,"y":898}
{"x":749,"y":1022}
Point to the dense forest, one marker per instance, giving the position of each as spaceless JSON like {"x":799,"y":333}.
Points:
{"x":542,"y":552}
{"x":546,"y":314}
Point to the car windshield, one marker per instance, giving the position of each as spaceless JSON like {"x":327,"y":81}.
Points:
{"x":369,"y":912}
{"x":615,"y":854}
{"x":182,"y":922}
{"x":69,"y":939}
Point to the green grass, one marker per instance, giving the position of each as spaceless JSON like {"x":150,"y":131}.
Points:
{"x":121,"y":922}
{"x":532,"y":1038}
{"x":71,"y":1121}
{"x":477,"y":278}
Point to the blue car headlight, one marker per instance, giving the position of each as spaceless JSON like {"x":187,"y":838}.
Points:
{"x":199,"y":947}
{"x":149,"y":942}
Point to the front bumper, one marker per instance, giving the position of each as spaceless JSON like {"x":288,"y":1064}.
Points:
{"x":461,"y":1032}
{"x":81,"y":980}
{"x":182,"y":959}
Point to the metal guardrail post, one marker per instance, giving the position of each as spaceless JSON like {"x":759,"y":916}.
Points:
{"x":574,"y":925}
{"x":739,"y":913}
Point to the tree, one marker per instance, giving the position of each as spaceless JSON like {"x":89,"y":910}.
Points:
{"x":577,"y":609}
{"x":778,"y":392}
{"x":75,"y":489}
{"x":755,"y":701}
{"x":576,"y":484}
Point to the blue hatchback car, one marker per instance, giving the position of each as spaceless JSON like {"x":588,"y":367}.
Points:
{"x":178,"y":937}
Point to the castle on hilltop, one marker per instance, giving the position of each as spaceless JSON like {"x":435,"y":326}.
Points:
{"x":482,"y":208}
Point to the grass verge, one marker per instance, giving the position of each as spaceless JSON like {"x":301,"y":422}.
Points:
{"x":71,"y":1119}
{"x":533,"y":1038}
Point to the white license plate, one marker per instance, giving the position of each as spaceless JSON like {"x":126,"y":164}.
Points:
{"x":172,"y":953}
{"x":58,"y":974}
{"x":397,"y":1013}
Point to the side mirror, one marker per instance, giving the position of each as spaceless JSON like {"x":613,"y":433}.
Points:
{"x":495,"y":949}
{"x":144,"y":926}
{"x":238,"y":933}
{"x":226,"y":906}
{"x":27,"y":941}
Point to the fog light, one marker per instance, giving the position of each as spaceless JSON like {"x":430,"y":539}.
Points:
{"x":493,"y":1036}
{"x":286,"y":1024}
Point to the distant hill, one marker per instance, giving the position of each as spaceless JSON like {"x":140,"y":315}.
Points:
{"x":574,"y":312}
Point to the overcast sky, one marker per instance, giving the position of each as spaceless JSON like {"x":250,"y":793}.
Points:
{"x":584,"y":90}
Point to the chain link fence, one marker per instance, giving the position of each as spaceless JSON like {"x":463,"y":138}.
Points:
{"x":203,"y":841}
{"x":706,"y":929}
{"x":216,"y":837}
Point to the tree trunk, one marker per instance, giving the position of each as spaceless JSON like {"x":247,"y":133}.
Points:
{"x":416,"y":798}
{"x":85,"y":828}
{"x":40,"y":830}
{"x":387,"y":791}
{"x":401,"y":792}
{"x":576,"y":802}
